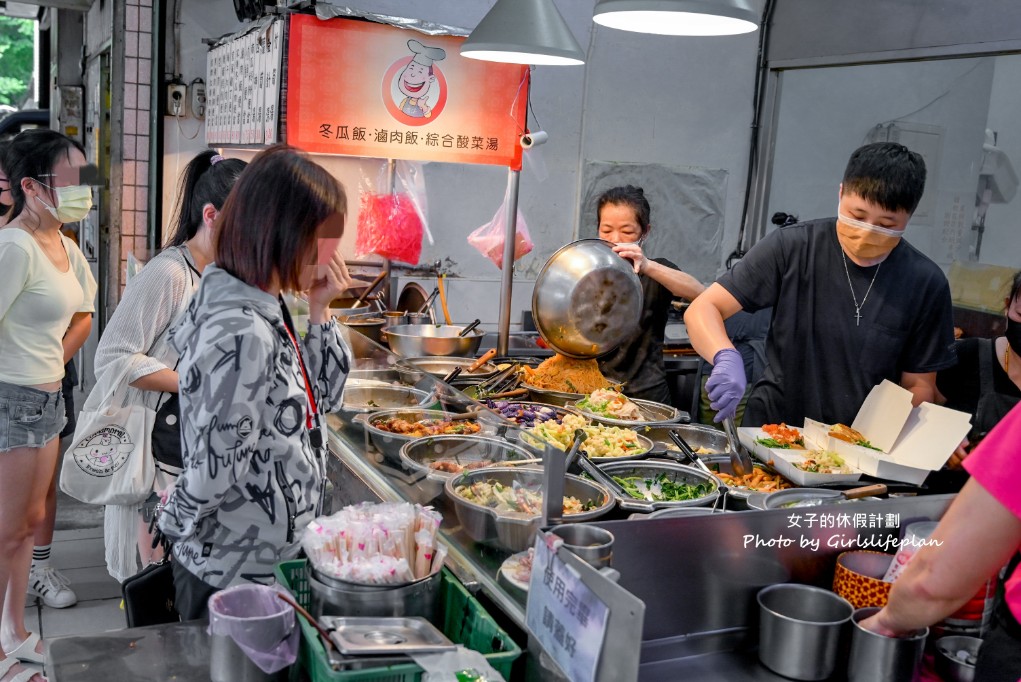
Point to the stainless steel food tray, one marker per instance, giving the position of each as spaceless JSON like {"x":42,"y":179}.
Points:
{"x":363,"y":636}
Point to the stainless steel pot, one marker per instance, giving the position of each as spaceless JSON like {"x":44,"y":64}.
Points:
{"x":512,"y":531}
{"x":333,"y":597}
{"x":418,"y":340}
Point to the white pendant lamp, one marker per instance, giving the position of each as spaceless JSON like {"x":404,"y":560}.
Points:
{"x":523,"y":32}
{"x":678,"y":17}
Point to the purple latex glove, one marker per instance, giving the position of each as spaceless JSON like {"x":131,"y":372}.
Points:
{"x":726,"y":383}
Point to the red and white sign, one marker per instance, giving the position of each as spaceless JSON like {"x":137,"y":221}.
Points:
{"x":365,"y":89}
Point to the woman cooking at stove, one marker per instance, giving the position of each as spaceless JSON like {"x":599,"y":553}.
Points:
{"x":624,"y":220}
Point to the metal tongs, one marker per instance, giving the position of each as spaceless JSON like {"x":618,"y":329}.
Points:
{"x":739,"y":459}
{"x":500,"y":383}
{"x":689,"y":452}
{"x":428,"y":305}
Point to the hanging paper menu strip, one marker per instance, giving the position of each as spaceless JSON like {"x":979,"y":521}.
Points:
{"x":364,"y":89}
{"x":565,"y":615}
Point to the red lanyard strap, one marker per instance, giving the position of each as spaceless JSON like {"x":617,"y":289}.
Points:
{"x":313,"y":408}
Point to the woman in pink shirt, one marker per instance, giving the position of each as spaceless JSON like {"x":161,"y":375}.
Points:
{"x":978,"y":535}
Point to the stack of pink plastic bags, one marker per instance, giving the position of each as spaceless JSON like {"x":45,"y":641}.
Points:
{"x":376,"y":544}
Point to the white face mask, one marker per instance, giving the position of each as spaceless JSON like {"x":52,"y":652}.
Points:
{"x":73,"y":203}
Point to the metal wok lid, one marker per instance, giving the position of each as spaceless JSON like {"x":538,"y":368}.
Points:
{"x":586,"y":300}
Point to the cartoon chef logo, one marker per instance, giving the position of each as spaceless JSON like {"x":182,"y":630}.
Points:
{"x":104,"y":451}
{"x":414,"y":89}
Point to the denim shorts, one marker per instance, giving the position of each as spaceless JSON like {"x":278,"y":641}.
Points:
{"x":29,"y":418}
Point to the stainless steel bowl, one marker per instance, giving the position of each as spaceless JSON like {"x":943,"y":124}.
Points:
{"x":737,"y":498}
{"x":362,"y":399}
{"x":366,"y":325}
{"x":542,"y":395}
{"x":586,"y":299}
{"x":538,"y":445}
{"x":653,"y":414}
{"x":512,"y":531}
{"x":442,"y":366}
{"x":389,"y":444}
{"x":678,"y":473}
{"x":418,"y":455}
{"x":418,"y":340}
{"x":698,"y":436}
{"x":512,"y":405}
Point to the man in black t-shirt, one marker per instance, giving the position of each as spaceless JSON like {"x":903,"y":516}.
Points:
{"x":853,"y":304}
{"x":624,"y":215}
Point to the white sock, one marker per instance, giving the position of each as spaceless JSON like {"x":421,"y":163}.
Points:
{"x":41,"y":556}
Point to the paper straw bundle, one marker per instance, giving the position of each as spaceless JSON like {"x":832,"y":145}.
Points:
{"x":376,"y":544}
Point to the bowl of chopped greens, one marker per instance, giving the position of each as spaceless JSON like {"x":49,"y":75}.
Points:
{"x":650,"y":485}
{"x":502,"y":506}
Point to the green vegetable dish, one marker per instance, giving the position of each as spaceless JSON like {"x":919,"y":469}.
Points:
{"x":662,"y":488}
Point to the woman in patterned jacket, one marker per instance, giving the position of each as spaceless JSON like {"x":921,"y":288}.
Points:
{"x":252,"y":393}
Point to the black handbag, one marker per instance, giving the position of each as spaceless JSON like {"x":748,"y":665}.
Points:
{"x":149,"y":595}
{"x":166,"y":433}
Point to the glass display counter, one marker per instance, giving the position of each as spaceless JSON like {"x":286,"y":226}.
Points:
{"x":382,"y":471}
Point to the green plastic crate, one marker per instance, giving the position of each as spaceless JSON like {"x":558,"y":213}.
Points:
{"x":464,"y":621}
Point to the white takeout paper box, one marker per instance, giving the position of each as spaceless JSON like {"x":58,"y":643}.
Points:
{"x":914,"y":441}
{"x":783,"y":460}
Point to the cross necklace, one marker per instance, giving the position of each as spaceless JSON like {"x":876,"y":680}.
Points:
{"x":858,"y":306}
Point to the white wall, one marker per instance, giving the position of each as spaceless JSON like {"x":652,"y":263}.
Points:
{"x":674,"y":101}
{"x":1001,"y":244}
{"x":183,"y":138}
{"x":825,"y":114}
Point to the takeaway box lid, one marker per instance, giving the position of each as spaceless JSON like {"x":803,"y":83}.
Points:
{"x":911,"y":441}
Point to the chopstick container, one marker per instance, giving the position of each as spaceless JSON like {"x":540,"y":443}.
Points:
{"x":877,"y":658}
{"x":335,"y":597}
{"x":799,"y":630}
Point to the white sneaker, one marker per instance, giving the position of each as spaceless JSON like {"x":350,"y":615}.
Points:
{"x":52,"y":587}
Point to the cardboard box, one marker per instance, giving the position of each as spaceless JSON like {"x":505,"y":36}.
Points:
{"x":912,"y":441}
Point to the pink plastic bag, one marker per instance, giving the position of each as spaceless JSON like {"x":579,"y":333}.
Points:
{"x":489,"y":238}
{"x":392,"y":225}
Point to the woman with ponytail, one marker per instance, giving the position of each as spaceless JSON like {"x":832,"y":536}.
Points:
{"x":137,"y":334}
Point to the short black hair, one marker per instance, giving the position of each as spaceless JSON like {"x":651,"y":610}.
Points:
{"x":31,"y":154}
{"x":886,"y":174}
{"x":203,"y":182}
{"x":1015,"y":288}
{"x":627,"y":195}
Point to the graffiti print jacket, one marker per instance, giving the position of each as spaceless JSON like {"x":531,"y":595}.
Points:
{"x":252,"y":479}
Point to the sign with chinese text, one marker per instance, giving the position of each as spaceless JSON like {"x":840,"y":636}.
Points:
{"x":567,"y":618}
{"x":365,"y":89}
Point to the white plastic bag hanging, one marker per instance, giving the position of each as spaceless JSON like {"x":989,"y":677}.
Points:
{"x":392,"y":224}
{"x":490,"y":238}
